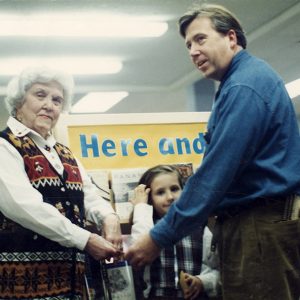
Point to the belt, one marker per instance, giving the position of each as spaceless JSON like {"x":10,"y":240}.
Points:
{"x":235,"y":210}
{"x":289,"y":205}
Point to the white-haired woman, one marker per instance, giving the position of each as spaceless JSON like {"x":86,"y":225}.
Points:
{"x":46,"y":197}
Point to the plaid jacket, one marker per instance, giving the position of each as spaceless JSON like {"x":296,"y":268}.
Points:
{"x":186,"y":255}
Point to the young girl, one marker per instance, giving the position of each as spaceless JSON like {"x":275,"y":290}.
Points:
{"x":158,"y":188}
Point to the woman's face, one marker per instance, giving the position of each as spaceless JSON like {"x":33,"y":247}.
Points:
{"x":165,"y":189}
{"x":42,"y":106}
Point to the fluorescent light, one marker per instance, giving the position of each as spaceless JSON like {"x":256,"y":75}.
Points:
{"x":73,"y":65}
{"x":293,"y":88}
{"x":83,"y":25}
{"x":96,"y":102}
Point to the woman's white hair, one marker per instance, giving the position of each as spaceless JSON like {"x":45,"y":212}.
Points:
{"x":19,"y":85}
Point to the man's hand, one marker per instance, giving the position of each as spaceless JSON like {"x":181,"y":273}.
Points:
{"x":100,"y":249}
{"x":142,"y":252}
{"x":112,"y":230}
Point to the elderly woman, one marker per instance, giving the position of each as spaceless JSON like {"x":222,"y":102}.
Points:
{"x":46,"y":197}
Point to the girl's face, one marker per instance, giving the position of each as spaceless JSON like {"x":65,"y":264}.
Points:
{"x":165,"y":189}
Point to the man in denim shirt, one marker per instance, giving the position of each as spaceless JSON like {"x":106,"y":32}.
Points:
{"x":250,"y":174}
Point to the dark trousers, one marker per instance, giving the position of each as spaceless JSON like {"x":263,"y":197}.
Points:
{"x":260,"y":254}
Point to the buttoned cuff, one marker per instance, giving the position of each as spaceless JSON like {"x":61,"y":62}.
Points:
{"x":80,"y":237}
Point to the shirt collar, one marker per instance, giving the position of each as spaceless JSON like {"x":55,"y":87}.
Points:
{"x":241,"y":55}
{"x":20,"y":130}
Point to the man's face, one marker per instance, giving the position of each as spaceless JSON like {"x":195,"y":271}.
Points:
{"x":210,"y":51}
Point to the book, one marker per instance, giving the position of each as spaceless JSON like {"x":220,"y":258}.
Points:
{"x":185,"y":169}
{"x":123,"y":183}
{"x":100,"y":178}
{"x":117,"y":278}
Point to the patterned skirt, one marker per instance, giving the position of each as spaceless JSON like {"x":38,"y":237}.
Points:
{"x":42,"y":275}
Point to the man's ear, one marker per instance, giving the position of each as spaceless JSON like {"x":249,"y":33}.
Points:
{"x":232,"y":38}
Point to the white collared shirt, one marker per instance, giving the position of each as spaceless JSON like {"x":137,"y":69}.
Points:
{"x":22,"y":203}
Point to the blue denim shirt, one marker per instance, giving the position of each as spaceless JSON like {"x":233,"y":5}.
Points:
{"x":253,"y":149}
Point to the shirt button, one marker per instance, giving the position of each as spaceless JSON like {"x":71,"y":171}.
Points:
{"x":63,"y":189}
{"x":35,"y":237}
{"x":68,"y":203}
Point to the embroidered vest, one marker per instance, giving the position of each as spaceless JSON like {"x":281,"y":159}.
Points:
{"x":31,"y":266}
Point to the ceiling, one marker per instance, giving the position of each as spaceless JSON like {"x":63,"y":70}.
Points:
{"x":156,"y":71}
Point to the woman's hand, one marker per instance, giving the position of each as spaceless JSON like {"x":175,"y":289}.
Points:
{"x":112,"y":230}
{"x":141,"y":194}
{"x":100,"y":249}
